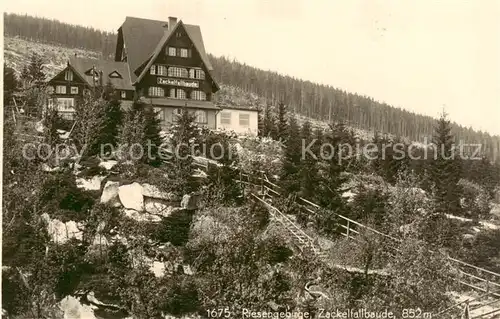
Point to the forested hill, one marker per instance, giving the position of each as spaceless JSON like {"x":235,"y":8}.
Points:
{"x":56,"y":32}
{"x":306,"y":98}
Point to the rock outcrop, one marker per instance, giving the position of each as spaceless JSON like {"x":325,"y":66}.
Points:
{"x":131,"y":196}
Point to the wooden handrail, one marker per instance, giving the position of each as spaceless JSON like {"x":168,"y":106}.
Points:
{"x":272,"y":189}
{"x":283,"y":216}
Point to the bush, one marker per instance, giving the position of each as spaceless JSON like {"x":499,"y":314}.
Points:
{"x":181,"y":299}
{"x":175,"y":228}
{"x":475,"y":201}
{"x":61,"y":198}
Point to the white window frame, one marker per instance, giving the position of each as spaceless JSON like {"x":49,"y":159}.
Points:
{"x":184,"y":53}
{"x":244,"y":119}
{"x":198,"y":95}
{"x":225,"y":118}
{"x":161,"y":70}
{"x":60,"y":89}
{"x":192,"y":73}
{"x":172,"y":93}
{"x":181,"y":94}
{"x":200,"y":116}
{"x":156,"y":91}
{"x":171,"y":51}
{"x":178,"y":72}
{"x":152,"y":71}
{"x":200,"y":74}
{"x":123,"y":94}
{"x":74,"y":90}
{"x":68,"y":75}
{"x":66,"y":104}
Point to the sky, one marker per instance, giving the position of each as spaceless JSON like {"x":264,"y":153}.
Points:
{"x":420,"y":55}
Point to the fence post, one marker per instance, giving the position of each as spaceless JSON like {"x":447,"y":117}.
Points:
{"x":348,"y":229}
{"x":487,"y":286}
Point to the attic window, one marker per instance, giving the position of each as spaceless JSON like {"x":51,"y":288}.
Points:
{"x":115,"y":74}
{"x":68,"y":76}
{"x":92,"y":72}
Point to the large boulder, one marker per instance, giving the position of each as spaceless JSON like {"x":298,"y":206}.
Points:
{"x":190,"y":201}
{"x":90,"y":184}
{"x":131,"y":196}
{"x":142,"y":216}
{"x":60,"y":232}
{"x":153,"y":191}
{"x":110,"y":194}
{"x":73,"y":308}
{"x":158,"y":207}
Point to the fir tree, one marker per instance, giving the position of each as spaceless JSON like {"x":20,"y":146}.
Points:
{"x":90,"y":121}
{"x":51,"y":123}
{"x":445,"y":169}
{"x":282,"y":121}
{"x":113,"y":116}
{"x":184,"y":134}
{"x":140,"y":132}
{"x":33,"y":73}
{"x":290,"y":175}
{"x":222,"y":181}
{"x":329,"y":194}
{"x":269,"y":125}
{"x":10,"y":85}
{"x":308,"y":166}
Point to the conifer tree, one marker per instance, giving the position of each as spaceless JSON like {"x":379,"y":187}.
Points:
{"x":51,"y":122}
{"x":222,"y":181}
{"x":308,"y":167}
{"x":10,"y":85}
{"x":34,"y":73}
{"x":90,"y":121}
{"x":329,"y":194}
{"x":184,"y":134}
{"x":269,"y":125}
{"x":113,"y":116}
{"x":140,"y":132}
{"x":290,"y":175}
{"x":445,"y":169}
{"x":282,"y":121}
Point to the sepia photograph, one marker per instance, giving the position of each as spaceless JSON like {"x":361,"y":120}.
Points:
{"x":205,"y":159}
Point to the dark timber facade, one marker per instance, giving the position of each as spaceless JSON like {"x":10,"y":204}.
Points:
{"x":158,"y":62}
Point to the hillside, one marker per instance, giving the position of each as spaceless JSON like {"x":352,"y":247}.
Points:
{"x":258,"y":87}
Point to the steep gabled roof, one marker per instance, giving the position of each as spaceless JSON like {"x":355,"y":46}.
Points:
{"x":82,"y":65}
{"x":141,"y":37}
{"x":195,"y":30}
{"x":145,"y":38}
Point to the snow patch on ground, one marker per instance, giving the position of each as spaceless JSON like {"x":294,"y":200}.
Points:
{"x":90,"y":184}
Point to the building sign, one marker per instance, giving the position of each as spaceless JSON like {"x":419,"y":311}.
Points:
{"x":176,"y":82}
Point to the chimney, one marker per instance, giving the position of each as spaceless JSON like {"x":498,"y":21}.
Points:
{"x":172,"y":21}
